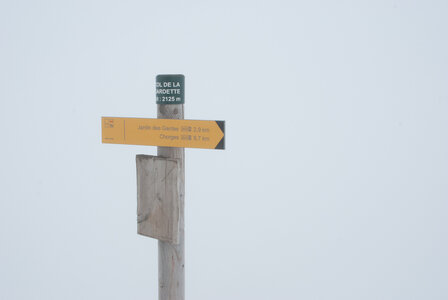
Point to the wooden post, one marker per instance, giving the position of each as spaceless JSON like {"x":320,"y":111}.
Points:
{"x":172,"y":256}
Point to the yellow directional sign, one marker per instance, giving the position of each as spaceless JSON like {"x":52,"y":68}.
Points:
{"x":163,"y":132}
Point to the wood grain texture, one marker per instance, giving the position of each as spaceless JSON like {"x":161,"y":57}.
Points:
{"x":172,"y":256}
{"x":158,"y":204}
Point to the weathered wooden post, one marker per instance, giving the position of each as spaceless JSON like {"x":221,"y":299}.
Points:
{"x":161,"y":178}
{"x":161,"y":190}
{"x":171,"y":255}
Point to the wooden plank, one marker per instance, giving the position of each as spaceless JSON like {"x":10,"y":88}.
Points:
{"x":158,"y":203}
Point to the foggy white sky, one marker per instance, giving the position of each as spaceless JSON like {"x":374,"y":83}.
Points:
{"x":334,"y":181}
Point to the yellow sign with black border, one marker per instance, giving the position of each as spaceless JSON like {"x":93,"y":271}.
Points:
{"x":163,"y":132}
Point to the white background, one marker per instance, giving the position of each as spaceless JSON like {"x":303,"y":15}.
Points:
{"x":334,"y":181}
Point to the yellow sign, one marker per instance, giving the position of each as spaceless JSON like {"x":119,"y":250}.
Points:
{"x":163,"y":132}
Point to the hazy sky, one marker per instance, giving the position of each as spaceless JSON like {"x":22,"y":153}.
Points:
{"x":334,"y":181}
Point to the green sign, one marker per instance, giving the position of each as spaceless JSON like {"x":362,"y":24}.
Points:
{"x":170,"y":89}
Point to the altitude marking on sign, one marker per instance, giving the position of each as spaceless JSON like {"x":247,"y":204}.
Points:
{"x":163,"y":132}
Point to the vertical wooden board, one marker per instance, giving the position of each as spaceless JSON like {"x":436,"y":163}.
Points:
{"x":158,"y":203}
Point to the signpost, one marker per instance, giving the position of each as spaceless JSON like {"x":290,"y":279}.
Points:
{"x":161,"y":178}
